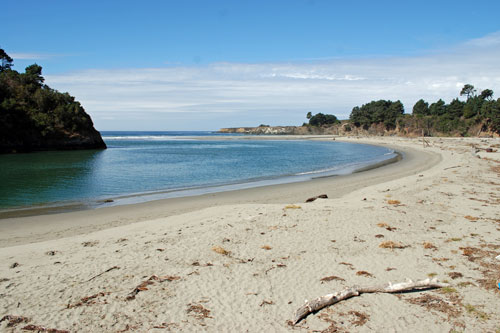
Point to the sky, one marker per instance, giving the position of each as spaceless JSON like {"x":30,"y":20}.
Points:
{"x":204,"y":65}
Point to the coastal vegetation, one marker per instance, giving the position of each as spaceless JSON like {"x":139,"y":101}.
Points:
{"x":478,"y":113}
{"x":376,"y":112}
{"x":321,"y":119}
{"x":34,"y":116}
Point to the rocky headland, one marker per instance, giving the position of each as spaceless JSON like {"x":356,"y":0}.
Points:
{"x":35,"y":117}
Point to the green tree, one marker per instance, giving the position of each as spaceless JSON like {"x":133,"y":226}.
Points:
{"x":6,"y":61}
{"x":455,"y":109}
{"x":309,"y":115}
{"x":487,"y":94}
{"x":421,"y":108}
{"x":323,"y":119}
{"x":473,"y":106}
{"x":395,"y":110}
{"x":33,"y":74}
{"x":468,"y":90}
{"x":375,"y":112}
{"x":438,"y":108}
{"x":360,"y":117}
{"x":490,"y":111}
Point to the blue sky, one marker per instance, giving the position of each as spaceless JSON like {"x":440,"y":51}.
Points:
{"x":202,"y":65}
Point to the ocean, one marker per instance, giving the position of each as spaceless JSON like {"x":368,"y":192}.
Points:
{"x":142,"y":166}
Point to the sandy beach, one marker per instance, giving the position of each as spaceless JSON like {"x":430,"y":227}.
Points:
{"x":246,"y":260}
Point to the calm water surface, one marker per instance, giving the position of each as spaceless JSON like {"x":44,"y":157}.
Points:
{"x":151,"y":162}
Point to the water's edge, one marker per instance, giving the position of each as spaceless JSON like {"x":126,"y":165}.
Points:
{"x":69,"y":206}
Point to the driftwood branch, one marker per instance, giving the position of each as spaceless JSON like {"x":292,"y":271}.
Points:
{"x":327,"y":300}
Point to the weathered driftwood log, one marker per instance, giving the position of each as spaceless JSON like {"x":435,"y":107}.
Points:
{"x":324,"y":301}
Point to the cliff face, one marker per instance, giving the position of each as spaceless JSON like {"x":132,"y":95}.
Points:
{"x":260,"y":130}
{"x":23,"y":140}
{"x":35,"y":117}
{"x":284,"y":130}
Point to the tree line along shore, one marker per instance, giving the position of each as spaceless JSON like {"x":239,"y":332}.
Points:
{"x":478,"y":115}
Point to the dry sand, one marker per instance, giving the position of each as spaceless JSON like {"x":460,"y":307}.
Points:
{"x":246,"y":260}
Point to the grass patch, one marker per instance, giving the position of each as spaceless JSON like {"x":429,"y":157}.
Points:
{"x":393,"y":202}
{"x":447,"y":290}
{"x":474,"y":311}
{"x":292,"y":207}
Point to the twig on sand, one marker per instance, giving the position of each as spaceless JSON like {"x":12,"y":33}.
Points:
{"x":327,"y":300}
{"x":109,"y":269}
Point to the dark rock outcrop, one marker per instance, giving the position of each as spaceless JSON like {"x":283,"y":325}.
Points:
{"x":29,"y":140}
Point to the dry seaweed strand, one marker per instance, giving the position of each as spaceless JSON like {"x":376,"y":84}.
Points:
{"x":221,"y":250}
{"x":364,"y":273}
{"x":198,"y":311}
{"x":331,"y":278}
{"x":391,"y":245}
{"x":151,"y":280}
{"x":429,"y":245}
{"x":266,"y":302}
{"x":330,"y":299}
{"x":361,"y":318}
{"x":88,"y":300}
{"x":14,"y":320}
{"x":43,"y":329}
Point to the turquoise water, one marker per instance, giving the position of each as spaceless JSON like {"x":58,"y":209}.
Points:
{"x":138,"y":163}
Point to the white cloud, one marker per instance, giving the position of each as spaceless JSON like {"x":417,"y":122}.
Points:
{"x":236,"y":94}
{"x":487,"y":41}
{"x":30,"y":56}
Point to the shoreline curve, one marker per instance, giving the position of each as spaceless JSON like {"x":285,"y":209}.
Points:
{"x":52,"y":226}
